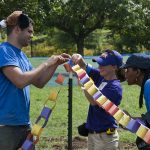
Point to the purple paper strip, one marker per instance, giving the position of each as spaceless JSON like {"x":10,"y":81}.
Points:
{"x":84,"y":79}
{"x":97,"y":95}
{"x":141,"y":121}
{"x":133,"y":125}
{"x":46,"y":113}
{"x":27,"y":145}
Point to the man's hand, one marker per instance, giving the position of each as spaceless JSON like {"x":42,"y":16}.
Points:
{"x":78,"y":59}
{"x":63,"y":58}
{"x":58,"y":59}
{"x":66,"y":56}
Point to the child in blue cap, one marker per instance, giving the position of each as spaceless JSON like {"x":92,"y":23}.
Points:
{"x":101,"y":126}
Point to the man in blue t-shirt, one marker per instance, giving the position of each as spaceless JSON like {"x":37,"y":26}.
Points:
{"x":16,"y":74}
{"x":102,"y":126}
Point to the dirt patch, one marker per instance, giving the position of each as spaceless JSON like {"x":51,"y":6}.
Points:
{"x":79,"y":142}
{"x":127,"y":146}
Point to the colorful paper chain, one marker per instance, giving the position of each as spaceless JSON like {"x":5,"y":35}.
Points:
{"x":135,"y":126}
{"x":45,"y":114}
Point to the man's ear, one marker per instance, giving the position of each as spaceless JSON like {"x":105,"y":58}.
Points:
{"x":17,"y":29}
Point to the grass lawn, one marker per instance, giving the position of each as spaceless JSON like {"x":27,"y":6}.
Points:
{"x":54,"y":134}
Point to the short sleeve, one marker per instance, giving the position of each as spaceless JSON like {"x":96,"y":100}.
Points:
{"x":7,"y":57}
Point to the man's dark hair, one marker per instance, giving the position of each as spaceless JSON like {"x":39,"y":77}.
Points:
{"x":23,"y":21}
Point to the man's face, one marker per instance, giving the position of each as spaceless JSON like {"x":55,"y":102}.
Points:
{"x":25,"y":36}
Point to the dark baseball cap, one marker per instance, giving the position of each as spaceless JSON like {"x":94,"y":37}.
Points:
{"x":141,"y":61}
{"x":110,"y":57}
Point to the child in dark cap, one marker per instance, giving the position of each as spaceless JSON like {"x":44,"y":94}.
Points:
{"x":137,"y":72}
{"x":99,"y":122}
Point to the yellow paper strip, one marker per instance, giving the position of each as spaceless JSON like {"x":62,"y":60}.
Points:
{"x":141,"y":132}
{"x":80,"y":71}
{"x":124,"y":120}
{"x":76,"y":67}
{"x":101,"y":100}
{"x":118,"y":115}
{"x":88,"y":84}
{"x":92,"y":90}
{"x":53,"y":96}
{"x":36,"y":130}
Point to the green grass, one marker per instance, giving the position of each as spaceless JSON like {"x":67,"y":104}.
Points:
{"x":55,"y":133}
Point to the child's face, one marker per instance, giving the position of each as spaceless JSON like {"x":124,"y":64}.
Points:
{"x":107,"y":70}
{"x":130,"y":75}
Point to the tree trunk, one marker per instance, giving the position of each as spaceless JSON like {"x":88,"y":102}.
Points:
{"x":80,"y":46}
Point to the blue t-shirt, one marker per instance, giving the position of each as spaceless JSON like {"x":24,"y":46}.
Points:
{"x":98,"y":119}
{"x":14,"y":102}
{"x":147,"y":94}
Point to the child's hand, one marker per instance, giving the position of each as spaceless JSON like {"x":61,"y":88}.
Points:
{"x":78,"y":59}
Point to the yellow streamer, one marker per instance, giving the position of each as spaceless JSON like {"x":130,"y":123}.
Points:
{"x":36,"y":130}
{"x":80,"y":71}
{"x":92,"y":90}
{"x":75,"y":68}
{"x":118,"y":115}
{"x":141,"y":132}
{"x":88,"y":84}
{"x":53,"y":96}
{"x":101,"y":100}
{"x":124,"y":120}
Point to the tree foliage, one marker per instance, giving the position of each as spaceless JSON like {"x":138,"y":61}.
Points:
{"x":128,"y":20}
{"x":130,"y":25}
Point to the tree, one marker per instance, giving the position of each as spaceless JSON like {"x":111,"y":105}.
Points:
{"x":79,"y":18}
{"x":129,"y":20}
{"x":131,"y":27}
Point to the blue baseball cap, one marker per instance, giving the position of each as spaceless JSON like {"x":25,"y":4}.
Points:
{"x":141,"y":61}
{"x":109,"y":57}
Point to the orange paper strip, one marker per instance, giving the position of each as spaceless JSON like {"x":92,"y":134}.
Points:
{"x":147,"y":137}
{"x":60,"y":79}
